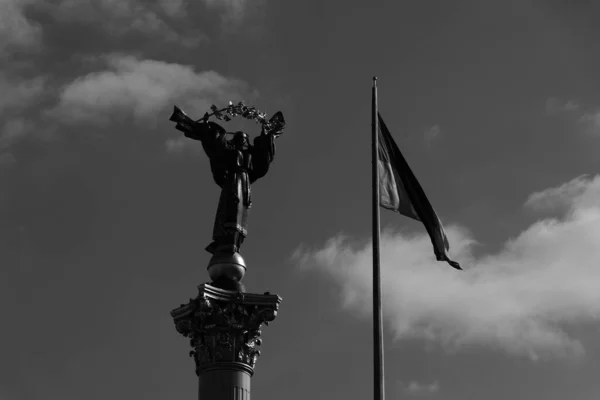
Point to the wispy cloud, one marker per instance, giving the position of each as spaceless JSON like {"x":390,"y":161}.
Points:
{"x":16,"y":30}
{"x":174,"y":8}
{"x":555,"y":105}
{"x":176,"y":145}
{"x":431,"y":134}
{"x":588,"y":119}
{"x":232,"y":11}
{"x":18,"y":92}
{"x":519,"y":299}
{"x":120,"y":17}
{"x":14,"y":130}
{"x":18,"y":95}
{"x":142,"y":89}
{"x":419,"y":388}
{"x":591,"y":121}
{"x":559,"y":197}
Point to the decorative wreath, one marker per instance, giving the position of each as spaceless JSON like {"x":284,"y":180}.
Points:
{"x":248,"y":112}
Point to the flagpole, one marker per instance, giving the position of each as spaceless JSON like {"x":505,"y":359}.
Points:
{"x":378,"y":381}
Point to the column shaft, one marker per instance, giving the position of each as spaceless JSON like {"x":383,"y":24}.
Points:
{"x":224,"y":385}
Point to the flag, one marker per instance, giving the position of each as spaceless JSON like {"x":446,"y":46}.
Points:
{"x":400,"y":191}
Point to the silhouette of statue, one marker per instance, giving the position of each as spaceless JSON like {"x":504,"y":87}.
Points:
{"x":235,"y":164}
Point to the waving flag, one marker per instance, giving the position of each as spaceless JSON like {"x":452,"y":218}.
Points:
{"x":400,"y":191}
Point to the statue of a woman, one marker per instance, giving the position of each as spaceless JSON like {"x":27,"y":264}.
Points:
{"x":235,"y":165}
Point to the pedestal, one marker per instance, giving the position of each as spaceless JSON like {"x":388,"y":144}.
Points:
{"x":224,"y":331}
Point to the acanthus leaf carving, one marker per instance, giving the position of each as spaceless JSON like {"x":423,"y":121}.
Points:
{"x":223,"y":331}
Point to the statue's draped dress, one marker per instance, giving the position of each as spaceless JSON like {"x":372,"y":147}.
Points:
{"x":234,"y":170}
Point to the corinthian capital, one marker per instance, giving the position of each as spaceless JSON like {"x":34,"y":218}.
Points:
{"x":224,"y":326}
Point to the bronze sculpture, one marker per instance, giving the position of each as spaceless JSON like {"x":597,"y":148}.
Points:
{"x":223,"y":322}
{"x":235,"y":164}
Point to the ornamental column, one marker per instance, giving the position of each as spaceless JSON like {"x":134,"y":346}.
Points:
{"x":223,"y":324}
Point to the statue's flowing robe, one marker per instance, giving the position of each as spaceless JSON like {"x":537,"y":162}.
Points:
{"x":234,"y":170}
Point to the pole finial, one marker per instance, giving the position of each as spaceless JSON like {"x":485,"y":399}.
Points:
{"x":374,"y":78}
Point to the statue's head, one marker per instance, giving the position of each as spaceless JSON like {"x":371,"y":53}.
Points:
{"x":240,"y":139}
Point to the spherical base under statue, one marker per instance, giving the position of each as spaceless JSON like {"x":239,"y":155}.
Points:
{"x":227,"y":270}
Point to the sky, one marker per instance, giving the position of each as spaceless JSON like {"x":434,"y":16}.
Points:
{"x":105,"y":208}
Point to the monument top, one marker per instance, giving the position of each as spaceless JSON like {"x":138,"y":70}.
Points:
{"x":235,"y":164}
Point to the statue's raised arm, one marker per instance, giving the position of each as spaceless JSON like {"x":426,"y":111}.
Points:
{"x":205,"y":131}
{"x":263,"y":151}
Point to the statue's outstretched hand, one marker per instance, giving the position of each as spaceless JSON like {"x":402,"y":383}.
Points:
{"x":274,"y":132}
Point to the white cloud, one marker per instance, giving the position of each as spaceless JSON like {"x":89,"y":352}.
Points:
{"x":520,"y":300}
{"x":16,"y":30}
{"x":558,"y":197}
{"x":418,"y":388}
{"x":144,"y":89}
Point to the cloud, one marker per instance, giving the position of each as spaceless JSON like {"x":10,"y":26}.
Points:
{"x":173,"y":8}
{"x":14,"y":130}
{"x":555,"y":105}
{"x":521,"y":300}
{"x":232,"y":11}
{"x":589,"y":120}
{"x":142,"y":89}
{"x":120,"y":17}
{"x":558,"y":197}
{"x":16,"y":30}
{"x":17,"y":95}
{"x":432,"y":133}
{"x":176,"y":145}
{"x":17,"y":92}
{"x":417,"y":388}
